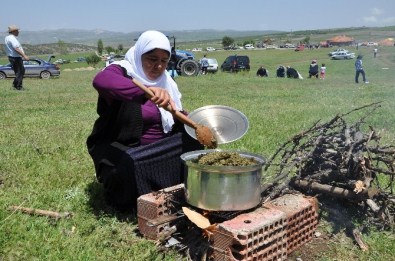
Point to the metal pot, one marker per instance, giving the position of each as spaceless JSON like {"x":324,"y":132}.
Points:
{"x":222,"y":188}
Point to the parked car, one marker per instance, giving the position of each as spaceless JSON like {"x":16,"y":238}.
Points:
{"x":342,"y":55}
{"x":372,"y":44}
{"x":212,"y":65}
{"x":62,"y":61}
{"x":210,"y":49}
{"x":235,"y":63}
{"x":249,"y":46}
{"x":80,"y":59}
{"x":336,"y":51}
{"x":271,"y":46}
{"x":35,"y":67}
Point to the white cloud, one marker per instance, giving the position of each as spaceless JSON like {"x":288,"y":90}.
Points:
{"x":389,"y":20}
{"x":377,"y":18}
{"x":370,"y":19}
{"x":376,"y":11}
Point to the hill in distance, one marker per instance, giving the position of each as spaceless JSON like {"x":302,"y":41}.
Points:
{"x":76,"y":40}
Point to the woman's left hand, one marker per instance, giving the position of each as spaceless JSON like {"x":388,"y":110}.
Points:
{"x":162,"y":98}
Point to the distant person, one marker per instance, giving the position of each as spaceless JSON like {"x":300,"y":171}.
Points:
{"x":323,"y":71}
{"x":204,"y":64}
{"x":173,"y":62}
{"x":293,"y":73}
{"x":313,"y":69}
{"x":280,"y":71}
{"x":15,"y":54}
{"x":262,"y":72}
{"x":375,"y":52}
{"x":359,"y":70}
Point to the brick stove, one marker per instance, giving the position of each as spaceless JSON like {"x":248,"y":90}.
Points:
{"x":271,"y":231}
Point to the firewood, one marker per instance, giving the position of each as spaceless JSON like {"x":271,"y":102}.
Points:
{"x":357,"y":236}
{"x":40,"y":212}
{"x":332,"y":190}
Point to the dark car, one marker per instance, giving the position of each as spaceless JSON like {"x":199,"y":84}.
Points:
{"x":235,"y":63}
{"x":35,"y":67}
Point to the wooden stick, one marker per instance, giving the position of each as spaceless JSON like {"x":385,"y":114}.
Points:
{"x":40,"y":212}
{"x":332,"y":190}
{"x":358,"y":238}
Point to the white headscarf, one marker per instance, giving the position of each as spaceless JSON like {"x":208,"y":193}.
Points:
{"x":148,"y":41}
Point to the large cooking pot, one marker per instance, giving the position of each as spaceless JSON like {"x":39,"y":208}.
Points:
{"x":222,"y":188}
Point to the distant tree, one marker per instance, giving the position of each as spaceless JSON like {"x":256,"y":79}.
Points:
{"x":227,"y":41}
{"x":100,"y":47}
{"x":306,"y":40}
{"x":110,"y":49}
{"x":62,"y":47}
{"x":93,"y":60}
{"x":248,"y":42}
{"x":120,"y":48}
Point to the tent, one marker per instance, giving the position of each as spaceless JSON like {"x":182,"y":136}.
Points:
{"x":341,"y":40}
{"x":387,"y":42}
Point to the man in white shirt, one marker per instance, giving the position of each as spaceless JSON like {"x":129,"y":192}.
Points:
{"x":15,"y":54}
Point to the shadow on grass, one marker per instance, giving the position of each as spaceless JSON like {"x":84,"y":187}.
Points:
{"x":101,"y":208}
{"x":342,"y":215}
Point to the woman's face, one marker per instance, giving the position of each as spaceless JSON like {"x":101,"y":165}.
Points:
{"x":155,"y":63}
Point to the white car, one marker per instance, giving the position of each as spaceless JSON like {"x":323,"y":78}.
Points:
{"x":212,"y":65}
{"x":337,"y":51}
{"x":249,"y":46}
{"x":342,"y":55}
{"x":210,"y":49}
{"x":372,"y":44}
{"x":196,"y":49}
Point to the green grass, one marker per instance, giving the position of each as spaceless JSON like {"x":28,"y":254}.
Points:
{"x":44,"y":163}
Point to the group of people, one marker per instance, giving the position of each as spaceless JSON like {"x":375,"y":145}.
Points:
{"x":314,"y":71}
{"x":288,"y":72}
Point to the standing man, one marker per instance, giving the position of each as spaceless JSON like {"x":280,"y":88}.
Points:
{"x":359,"y":70}
{"x":204,"y":64}
{"x":15,"y":54}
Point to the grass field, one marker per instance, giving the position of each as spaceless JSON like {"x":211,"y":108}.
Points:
{"x":44,"y":163}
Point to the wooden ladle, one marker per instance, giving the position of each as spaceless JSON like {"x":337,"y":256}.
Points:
{"x":203,"y":133}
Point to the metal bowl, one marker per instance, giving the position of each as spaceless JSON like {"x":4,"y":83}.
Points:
{"x":226,"y":123}
{"x":222,"y":188}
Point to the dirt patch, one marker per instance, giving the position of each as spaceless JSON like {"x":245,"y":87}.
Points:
{"x":335,"y":227}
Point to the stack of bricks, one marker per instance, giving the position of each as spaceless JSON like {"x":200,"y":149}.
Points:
{"x":302,"y":218}
{"x":258,"y":235}
{"x":154,"y":206}
{"x":269,"y":232}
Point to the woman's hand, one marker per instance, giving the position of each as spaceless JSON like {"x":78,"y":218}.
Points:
{"x":162,"y":98}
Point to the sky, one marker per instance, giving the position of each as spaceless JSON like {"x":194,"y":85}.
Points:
{"x":130,"y":15}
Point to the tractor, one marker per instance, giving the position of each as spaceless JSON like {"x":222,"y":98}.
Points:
{"x":182,"y":62}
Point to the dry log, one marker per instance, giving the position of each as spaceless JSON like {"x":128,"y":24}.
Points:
{"x":373,"y":206}
{"x":40,"y":212}
{"x":332,"y":190}
{"x":358,"y":238}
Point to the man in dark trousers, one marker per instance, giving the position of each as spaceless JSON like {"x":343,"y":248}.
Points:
{"x":313,"y":69}
{"x":15,"y":54}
